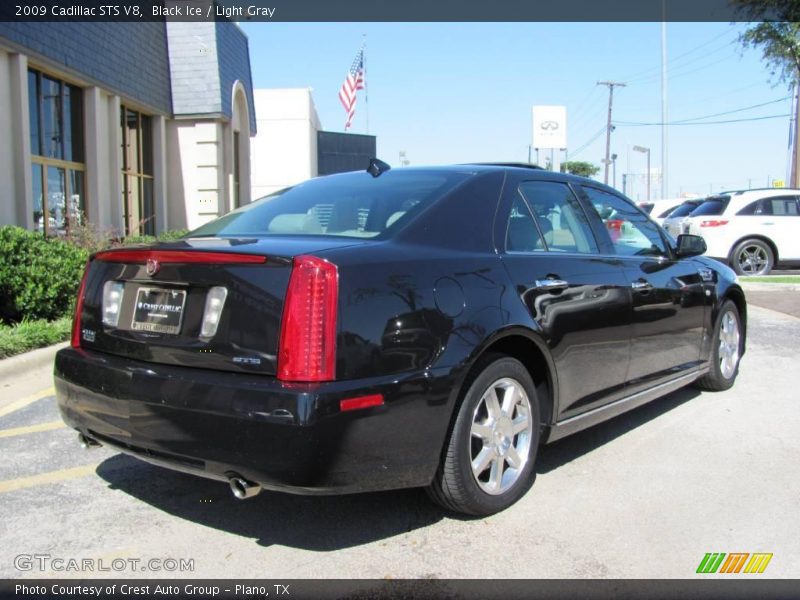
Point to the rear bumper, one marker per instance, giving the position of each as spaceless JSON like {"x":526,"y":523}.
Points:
{"x":285,"y":437}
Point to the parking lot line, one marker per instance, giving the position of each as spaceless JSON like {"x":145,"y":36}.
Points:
{"x":32,"y":429}
{"x":20,"y":483}
{"x":23,"y":402}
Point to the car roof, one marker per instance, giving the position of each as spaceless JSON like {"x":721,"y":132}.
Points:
{"x":755,"y":193}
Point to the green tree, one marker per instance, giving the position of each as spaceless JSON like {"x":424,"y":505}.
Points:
{"x":775,"y":30}
{"x":779,"y":41}
{"x":580,"y":167}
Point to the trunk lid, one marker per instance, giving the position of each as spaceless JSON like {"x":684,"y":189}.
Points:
{"x":152,"y":303}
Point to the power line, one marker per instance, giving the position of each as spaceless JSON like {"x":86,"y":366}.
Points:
{"x":684,"y":73}
{"x":730,"y":112}
{"x":681,"y":67}
{"x":589,"y":143}
{"x":624,"y":124}
{"x":645,"y":73}
{"x":585,"y":103}
{"x":720,"y":114}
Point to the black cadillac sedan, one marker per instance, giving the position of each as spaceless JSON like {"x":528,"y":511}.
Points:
{"x":394,"y":328}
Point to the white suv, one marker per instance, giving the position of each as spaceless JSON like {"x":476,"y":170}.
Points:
{"x":752,"y":230}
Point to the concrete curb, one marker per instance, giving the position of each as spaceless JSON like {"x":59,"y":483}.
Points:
{"x":760,"y":286}
{"x":19,"y":365}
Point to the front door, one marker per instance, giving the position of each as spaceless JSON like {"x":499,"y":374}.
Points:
{"x":668,"y":296}
{"x":579,"y":300}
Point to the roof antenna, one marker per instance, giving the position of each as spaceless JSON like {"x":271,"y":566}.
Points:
{"x":377,"y":167}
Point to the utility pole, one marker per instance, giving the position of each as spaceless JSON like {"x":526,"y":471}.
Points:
{"x":611,"y":85}
{"x":794,"y":180}
{"x":664,"y":114}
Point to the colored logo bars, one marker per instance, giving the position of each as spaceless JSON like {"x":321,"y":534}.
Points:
{"x":717,"y":562}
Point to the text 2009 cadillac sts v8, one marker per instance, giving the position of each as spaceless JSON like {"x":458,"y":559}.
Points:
{"x":395,"y":328}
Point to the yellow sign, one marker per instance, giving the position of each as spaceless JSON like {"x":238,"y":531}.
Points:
{"x":778,"y":183}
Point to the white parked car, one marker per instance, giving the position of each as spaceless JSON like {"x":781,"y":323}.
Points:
{"x":752,"y":230}
{"x":660,"y":209}
{"x":675,"y":220}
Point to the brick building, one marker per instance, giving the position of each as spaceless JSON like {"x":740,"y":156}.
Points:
{"x":133,"y":127}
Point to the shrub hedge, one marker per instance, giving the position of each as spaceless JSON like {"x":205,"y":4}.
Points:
{"x":39,"y":276}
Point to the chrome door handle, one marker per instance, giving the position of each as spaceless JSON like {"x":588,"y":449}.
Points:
{"x":642,"y":285}
{"x":768,"y":222}
{"x":551,"y":284}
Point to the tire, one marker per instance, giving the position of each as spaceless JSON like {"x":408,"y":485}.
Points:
{"x":500,"y":438}
{"x":752,"y":257}
{"x":726,"y":350}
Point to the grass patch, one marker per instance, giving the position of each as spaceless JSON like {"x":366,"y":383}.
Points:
{"x":774,"y":279}
{"x":29,"y":335}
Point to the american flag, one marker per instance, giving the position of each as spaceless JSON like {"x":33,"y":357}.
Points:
{"x":352,"y":83}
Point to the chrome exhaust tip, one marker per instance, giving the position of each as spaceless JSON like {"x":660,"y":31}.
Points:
{"x":244,"y":489}
{"x":87,"y":442}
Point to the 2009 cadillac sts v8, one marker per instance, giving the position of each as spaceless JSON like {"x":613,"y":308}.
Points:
{"x":394,"y":328}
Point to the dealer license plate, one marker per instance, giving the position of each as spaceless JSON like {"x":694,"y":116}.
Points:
{"x":158,"y":310}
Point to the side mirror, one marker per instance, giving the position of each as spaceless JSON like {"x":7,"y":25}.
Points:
{"x":690,"y":245}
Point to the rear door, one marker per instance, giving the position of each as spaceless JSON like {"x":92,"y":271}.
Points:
{"x":668,"y":296}
{"x":579,"y":300}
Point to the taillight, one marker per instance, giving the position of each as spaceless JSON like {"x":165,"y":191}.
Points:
{"x":179,"y":256}
{"x":307,"y":350}
{"x":713,"y":223}
{"x":75,"y":341}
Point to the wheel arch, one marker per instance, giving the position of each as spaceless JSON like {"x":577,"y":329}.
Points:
{"x":531,"y":350}
{"x":755,"y":236}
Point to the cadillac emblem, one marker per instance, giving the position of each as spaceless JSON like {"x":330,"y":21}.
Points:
{"x":152,"y":266}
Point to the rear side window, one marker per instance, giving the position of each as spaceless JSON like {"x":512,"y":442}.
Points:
{"x":522,"y":235}
{"x":711,"y":207}
{"x":751,"y":209}
{"x":561,"y":220}
{"x":351,"y":205}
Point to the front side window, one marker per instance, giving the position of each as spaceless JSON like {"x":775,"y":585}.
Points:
{"x":561,"y":220}
{"x":783,"y":206}
{"x":137,"y":173}
{"x":55,"y":110}
{"x":631,"y":232}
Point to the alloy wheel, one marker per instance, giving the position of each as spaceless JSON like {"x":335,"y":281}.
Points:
{"x":753,"y":260}
{"x":728,"y":345}
{"x":500,"y":436}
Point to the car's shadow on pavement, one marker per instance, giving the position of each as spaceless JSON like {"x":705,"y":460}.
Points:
{"x":568,"y":449}
{"x":326,"y":523}
{"x":319,"y":523}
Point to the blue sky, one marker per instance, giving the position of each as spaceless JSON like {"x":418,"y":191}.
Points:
{"x":459,"y":92}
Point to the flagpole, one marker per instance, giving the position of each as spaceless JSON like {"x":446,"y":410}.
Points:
{"x":366,"y":79}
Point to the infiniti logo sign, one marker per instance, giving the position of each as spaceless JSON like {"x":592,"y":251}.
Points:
{"x":549,"y":125}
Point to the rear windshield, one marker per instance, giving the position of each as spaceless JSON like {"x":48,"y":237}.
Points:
{"x":711,"y":207}
{"x":684,"y":209}
{"x":349,"y":205}
{"x":668,"y":212}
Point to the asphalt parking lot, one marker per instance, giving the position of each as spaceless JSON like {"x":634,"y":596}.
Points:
{"x":645,"y":495}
